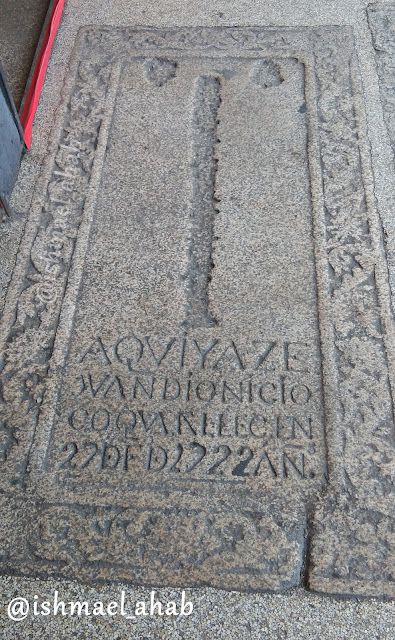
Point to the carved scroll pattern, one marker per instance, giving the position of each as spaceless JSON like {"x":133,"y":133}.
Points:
{"x":353,"y":531}
{"x":30,"y":340}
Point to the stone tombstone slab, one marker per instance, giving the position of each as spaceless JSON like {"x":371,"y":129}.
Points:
{"x":382,"y":24}
{"x":195,"y":378}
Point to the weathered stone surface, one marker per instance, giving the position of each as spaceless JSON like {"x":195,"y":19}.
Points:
{"x":382,"y":24}
{"x":195,"y":381}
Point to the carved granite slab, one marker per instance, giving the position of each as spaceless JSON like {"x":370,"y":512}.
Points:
{"x":195,"y":377}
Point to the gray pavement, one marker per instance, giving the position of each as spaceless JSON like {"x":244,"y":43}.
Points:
{"x":216,"y":614}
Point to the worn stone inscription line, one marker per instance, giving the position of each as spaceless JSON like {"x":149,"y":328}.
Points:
{"x":207,"y":100}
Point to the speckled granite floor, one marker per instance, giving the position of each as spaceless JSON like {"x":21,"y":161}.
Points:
{"x":20,"y":27}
